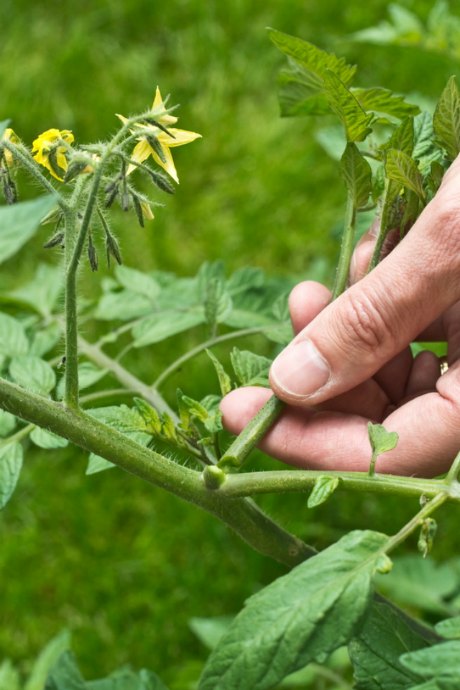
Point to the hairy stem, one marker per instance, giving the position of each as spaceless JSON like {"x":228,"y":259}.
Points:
{"x":253,"y":483}
{"x":96,"y":355}
{"x":242,"y":515}
{"x":346,"y":250}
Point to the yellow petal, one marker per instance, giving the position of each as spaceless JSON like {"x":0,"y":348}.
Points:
{"x":147,"y":210}
{"x":158,"y":104}
{"x":167,"y":165}
{"x":181,"y":137}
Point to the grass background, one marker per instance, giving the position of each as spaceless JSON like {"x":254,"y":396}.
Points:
{"x":122,"y":565}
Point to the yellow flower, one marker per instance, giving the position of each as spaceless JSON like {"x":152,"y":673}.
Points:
{"x":50,"y":150}
{"x":152,"y":135}
{"x":9,"y":135}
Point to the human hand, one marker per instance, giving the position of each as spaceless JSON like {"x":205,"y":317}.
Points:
{"x":350,"y":361}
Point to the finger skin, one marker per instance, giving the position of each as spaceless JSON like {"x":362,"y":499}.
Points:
{"x":377,"y":317}
{"x":428,"y":428}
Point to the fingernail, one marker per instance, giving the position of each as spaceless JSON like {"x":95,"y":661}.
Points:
{"x":300,"y":370}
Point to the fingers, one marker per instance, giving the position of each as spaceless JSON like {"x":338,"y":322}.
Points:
{"x":306,"y":301}
{"x":375,"y":319}
{"x":313,"y":440}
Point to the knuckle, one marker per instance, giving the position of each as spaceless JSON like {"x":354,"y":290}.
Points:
{"x":364,"y":323}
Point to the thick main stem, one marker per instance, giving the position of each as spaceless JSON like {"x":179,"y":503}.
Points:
{"x":243,"y":516}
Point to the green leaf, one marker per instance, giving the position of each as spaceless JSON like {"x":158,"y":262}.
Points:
{"x":32,"y":373}
{"x":44,"y":340}
{"x":446,"y":119}
{"x":250,"y":369}
{"x":96,"y":464}
{"x":357,"y":174}
{"x":375,"y":651}
{"x":10,"y":469}
{"x":65,"y":675}
{"x":355,"y":120}
{"x":418,"y":582}
{"x":137,"y":282}
{"x":46,"y":660}
{"x":3,"y":125}
{"x":46,"y":439}
{"x":332,"y":139}
{"x":13,"y":339}
{"x":210,"y":630}
{"x":88,"y":375}
{"x":383,"y":102}
{"x":323,"y":488}
{"x":300,"y":617}
{"x":449,"y":628}
{"x":217,"y":303}
{"x":314,"y":60}
{"x":402,"y":169}
{"x":440,"y":663}
{"x":122,"y":305}
{"x":425,"y":149}
{"x":403,"y":137}
{"x":9,"y":676}
{"x":19,"y":222}
{"x":7,"y":423}
{"x":125,"y":679}
{"x":225,"y":383}
{"x":43,"y":291}
{"x":380,"y":439}
{"x":162,"y":325}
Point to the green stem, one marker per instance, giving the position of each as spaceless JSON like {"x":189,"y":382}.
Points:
{"x":253,"y":432}
{"x":22,"y":154}
{"x":416,"y":521}
{"x":18,"y":436}
{"x":452,"y":475}
{"x":180,"y":361}
{"x":71,"y":318}
{"x":96,"y":355}
{"x":280,"y":481}
{"x":346,"y":250}
{"x":242,"y":515}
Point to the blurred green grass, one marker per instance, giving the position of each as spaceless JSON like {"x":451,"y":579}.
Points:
{"x":122,"y":565}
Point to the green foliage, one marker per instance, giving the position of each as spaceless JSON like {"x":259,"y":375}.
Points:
{"x":322,"y":490}
{"x":19,"y":222}
{"x":300,"y":617}
{"x":446,"y":119}
{"x":10,"y":469}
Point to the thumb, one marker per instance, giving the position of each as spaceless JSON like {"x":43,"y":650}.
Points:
{"x":379,"y":316}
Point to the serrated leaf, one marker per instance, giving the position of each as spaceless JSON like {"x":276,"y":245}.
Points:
{"x":439,"y":662}
{"x":162,"y":325}
{"x":418,"y":582}
{"x":300,"y":617}
{"x":375,"y":651}
{"x":384,"y":102}
{"x":10,"y":469}
{"x":314,"y":60}
{"x":355,"y":120}
{"x":225,"y":383}
{"x":323,"y":488}
{"x":46,"y":439}
{"x":250,"y":369}
{"x":403,"y":137}
{"x":46,"y":660}
{"x":137,"y":282}
{"x":20,"y":221}
{"x":121,"y":417}
{"x":449,"y":628}
{"x":13,"y":339}
{"x":7,"y":423}
{"x":245,"y":278}
{"x":380,"y":439}
{"x":213,"y":423}
{"x":32,"y":373}
{"x":9,"y":676}
{"x":43,"y":291}
{"x":425,"y":149}
{"x":402,"y":169}
{"x":446,"y":119}
{"x":357,"y":174}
